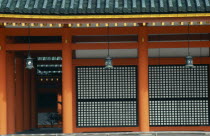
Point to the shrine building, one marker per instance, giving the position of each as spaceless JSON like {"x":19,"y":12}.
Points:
{"x":104,"y":65}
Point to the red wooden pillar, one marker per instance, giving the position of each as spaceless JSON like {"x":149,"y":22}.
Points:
{"x":34,"y":115}
{"x":10,"y":93}
{"x":19,"y":93}
{"x":27,"y":106}
{"x":3,"y":95}
{"x":67,"y":89}
{"x":143,"y":90}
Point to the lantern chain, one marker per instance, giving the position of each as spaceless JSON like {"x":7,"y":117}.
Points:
{"x":29,"y":40}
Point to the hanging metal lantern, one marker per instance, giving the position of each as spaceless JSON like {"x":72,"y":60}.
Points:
{"x":108,"y":63}
{"x":189,"y":62}
{"x":29,"y":62}
{"x":189,"y":59}
{"x":108,"y":60}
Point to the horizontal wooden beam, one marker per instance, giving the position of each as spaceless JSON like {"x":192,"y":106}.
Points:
{"x":192,"y":44}
{"x":178,"y":37}
{"x":104,"y":31}
{"x":178,"y":29}
{"x":106,"y":129}
{"x":180,"y":128}
{"x":134,"y":61}
{"x":136,"y":129}
{"x":33,"y":46}
{"x":45,"y":53}
{"x":95,"y":46}
{"x":33,"y":31}
{"x":74,"y":31}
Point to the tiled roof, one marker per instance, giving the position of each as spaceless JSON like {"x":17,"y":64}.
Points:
{"x":111,"y":7}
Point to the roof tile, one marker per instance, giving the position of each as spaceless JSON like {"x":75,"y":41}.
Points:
{"x":207,"y":4}
{"x":88,"y":7}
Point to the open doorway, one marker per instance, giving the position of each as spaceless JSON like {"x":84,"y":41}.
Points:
{"x":39,"y":91}
{"x":49,"y":89}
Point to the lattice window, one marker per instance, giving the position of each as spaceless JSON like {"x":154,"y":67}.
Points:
{"x":178,"y":95}
{"x":106,"y":98}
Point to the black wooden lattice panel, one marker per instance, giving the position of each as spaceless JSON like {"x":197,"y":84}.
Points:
{"x":106,"y":98}
{"x":178,"y":95}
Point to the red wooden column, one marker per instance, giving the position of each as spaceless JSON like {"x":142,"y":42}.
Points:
{"x":143,"y":90}
{"x":11,"y":93}
{"x":3,"y":95}
{"x":27,"y":106}
{"x":67,"y":82}
{"x":19,"y":94}
{"x":34,"y":115}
